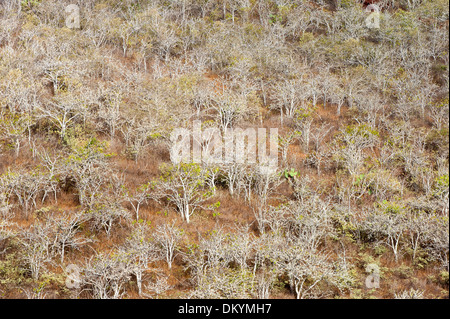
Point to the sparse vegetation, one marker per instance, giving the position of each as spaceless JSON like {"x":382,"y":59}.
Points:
{"x":91,"y":205}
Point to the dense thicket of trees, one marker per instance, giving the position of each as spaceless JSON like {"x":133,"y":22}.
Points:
{"x":85,"y":174}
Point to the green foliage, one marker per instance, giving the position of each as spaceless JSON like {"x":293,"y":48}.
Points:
{"x":292,"y":173}
{"x":89,"y":150}
{"x":362,"y":130}
{"x":348,"y":3}
{"x":141,"y":222}
{"x":306,"y":37}
{"x":366,"y":259}
{"x":48,"y":279}
{"x":29,"y":4}
{"x":359,"y":179}
{"x":343,"y":223}
{"x":78,"y":136}
{"x":422,"y":260}
{"x":444,"y":278}
{"x":387,"y":207}
{"x":214,"y":208}
{"x":10,"y":271}
{"x":274,"y":19}
{"x":379,"y":250}
{"x":441,"y":185}
{"x":193,"y":172}
{"x":404,"y":272}
{"x":304,"y":113}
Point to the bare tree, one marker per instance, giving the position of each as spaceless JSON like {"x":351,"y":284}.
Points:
{"x":138,"y":135}
{"x":13,"y":128}
{"x":304,"y":268}
{"x":353,"y":141}
{"x":288,"y":96}
{"x":286,"y":141}
{"x":55,"y":170}
{"x":5,"y":207}
{"x":211,"y":276}
{"x":303,"y":124}
{"x":141,"y":251}
{"x":61,"y":113}
{"x":239,"y":246}
{"x":158,"y":287}
{"x":110,"y":111}
{"x":36,"y":293}
{"x":5,"y":233}
{"x":167,"y":238}
{"x":232,"y":175}
{"x":24,"y":186}
{"x":418,"y":229}
{"x":388,"y":226}
{"x":88,"y":166}
{"x":321,"y":151}
{"x":230,"y":108}
{"x":185,"y":186}
{"x":36,"y":246}
{"x":266,"y":180}
{"x":307,"y":222}
{"x":337,"y":97}
{"x":105,"y":275}
{"x":166,"y":38}
{"x":438,"y":240}
{"x":439,"y":113}
{"x":140,"y":197}
{"x":66,"y":232}
{"x":105,"y":215}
